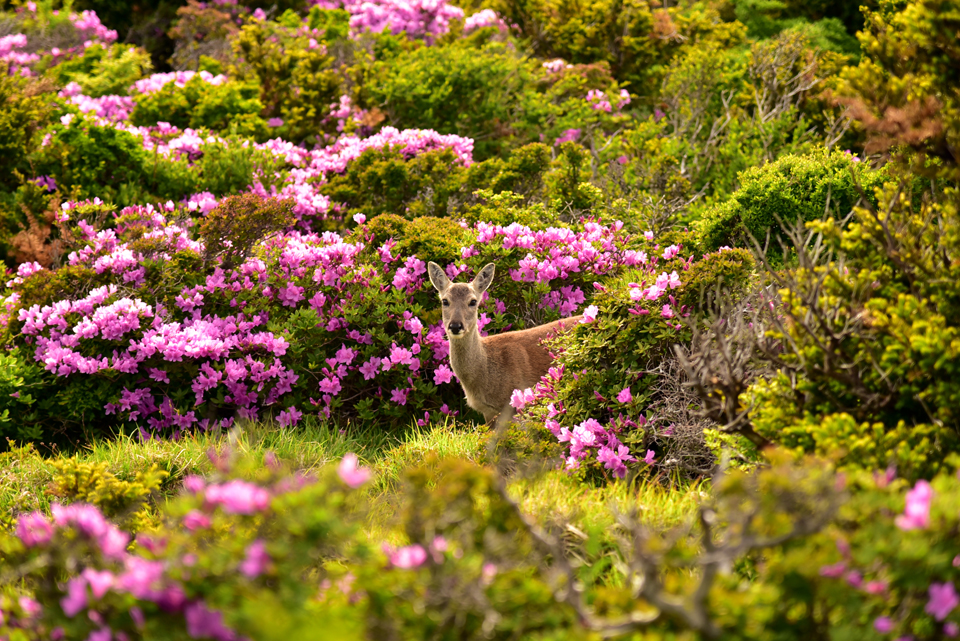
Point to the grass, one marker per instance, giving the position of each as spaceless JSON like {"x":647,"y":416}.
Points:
{"x":546,"y":495}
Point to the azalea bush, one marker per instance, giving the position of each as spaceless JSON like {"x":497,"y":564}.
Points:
{"x":176,"y":331}
{"x":258,"y":549}
{"x":599,"y":399}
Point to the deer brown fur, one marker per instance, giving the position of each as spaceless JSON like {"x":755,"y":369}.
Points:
{"x":490,"y":368}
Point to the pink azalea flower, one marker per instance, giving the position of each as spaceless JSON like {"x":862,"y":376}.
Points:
{"x":625,"y":396}
{"x":443,"y":374}
{"x":76,"y":598}
{"x":399,"y":396}
{"x":239,"y":497}
{"x":943,"y":599}
{"x":916,"y":514}
{"x":590,"y":314}
{"x":833,"y":571}
{"x":195,"y":519}
{"x":256,"y":561}
{"x":875,"y":587}
{"x":883,"y":625}
{"x":408,"y":557}
{"x":351,"y":473}
{"x":649,"y":458}
{"x":34,"y":529}
{"x":289,"y":417}
{"x":99,"y":582}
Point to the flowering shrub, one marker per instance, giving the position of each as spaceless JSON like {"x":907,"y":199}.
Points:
{"x":258,"y":550}
{"x":597,"y":400}
{"x":306,"y":322}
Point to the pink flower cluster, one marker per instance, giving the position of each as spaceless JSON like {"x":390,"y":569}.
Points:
{"x":481,"y":19}
{"x":88,"y":32}
{"x":916,"y":514}
{"x":424,"y":19}
{"x":89,"y":23}
{"x":556,"y":65}
{"x":114,"y":108}
{"x":599,"y":100}
{"x":128,"y":573}
{"x":591,"y":437}
{"x":158,"y":81}
{"x":18,"y":60}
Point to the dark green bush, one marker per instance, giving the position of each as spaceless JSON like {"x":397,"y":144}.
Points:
{"x":383,"y":181}
{"x":230,"y":231}
{"x":485,"y":93}
{"x":90,"y":161}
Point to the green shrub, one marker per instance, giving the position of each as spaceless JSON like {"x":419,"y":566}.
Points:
{"x":383,"y":181}
{"x":522,"y":172}
{"x":869,"y":342}
{"x":102,"y":71}
{"x":231,"y":107}
{"x":618,"y":32}
{"x":91,"y":161}
{"x":238,"y":223}
{"x":27,"y":107}
{"x":485,"y":93}
{"x":791,"y":189}
{"x":297,"y":84}
{"x":626,"y":346}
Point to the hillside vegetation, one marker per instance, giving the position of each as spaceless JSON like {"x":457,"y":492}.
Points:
{"x":226,"y":401}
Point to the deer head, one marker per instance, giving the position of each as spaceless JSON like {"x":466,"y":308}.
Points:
{"x":460,"y":301}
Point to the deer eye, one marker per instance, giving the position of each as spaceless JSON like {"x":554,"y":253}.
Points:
{"x":473,"y":303}
{"x":446,"y":303}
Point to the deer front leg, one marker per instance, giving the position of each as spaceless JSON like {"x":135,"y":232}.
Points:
{"x":501,"y":420}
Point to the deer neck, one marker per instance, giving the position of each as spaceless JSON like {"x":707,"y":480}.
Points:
{"x":468,"y":358}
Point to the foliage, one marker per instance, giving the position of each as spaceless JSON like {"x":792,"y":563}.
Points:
{"x":230,"y":231}
{"x":904,"y":90}
{"x":890,"y":295}
{"x":256,"y":548}
{"x":484,"y":93}
{"x":93,"y":161}
{"x":231,"y":107}
{"x":791,"y":189}
{"x":296,"y":81}
{"x":627,"y":35}
{"x":102,"y":71}
{"x":27,"y":109}
{"x":609,"y":374}
{"x":384,"y":181}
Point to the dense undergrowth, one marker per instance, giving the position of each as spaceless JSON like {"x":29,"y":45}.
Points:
{"x":226,"y":400}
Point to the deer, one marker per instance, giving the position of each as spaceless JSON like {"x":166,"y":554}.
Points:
{"x":490,"y":368}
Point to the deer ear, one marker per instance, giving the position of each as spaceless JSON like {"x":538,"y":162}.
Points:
{"x":437,"y":277}
{"x":483,"y":279}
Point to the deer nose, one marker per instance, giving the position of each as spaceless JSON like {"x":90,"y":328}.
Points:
{"x":455,"y":327}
